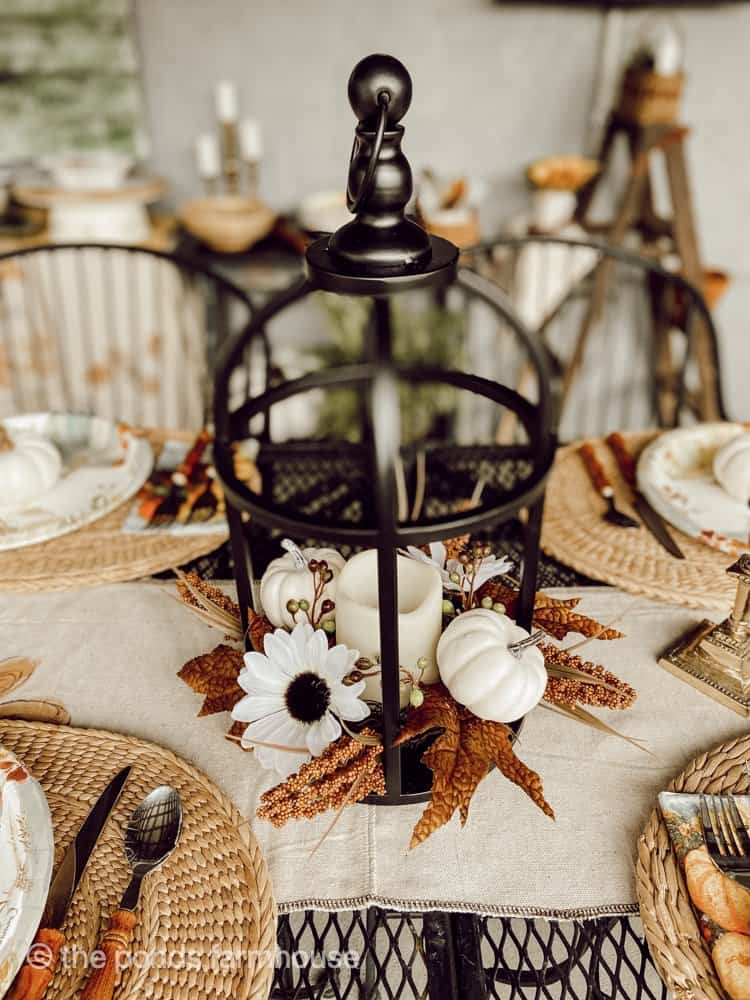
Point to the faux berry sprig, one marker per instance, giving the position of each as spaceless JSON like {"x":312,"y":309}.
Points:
{"x":468,"y":571}
{"x":365,"y":667}
{"x":320,"y":606}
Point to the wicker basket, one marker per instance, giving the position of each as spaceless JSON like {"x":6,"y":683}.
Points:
{"x":650,"y":99}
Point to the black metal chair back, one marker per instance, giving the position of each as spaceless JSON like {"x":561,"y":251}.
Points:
{"x":622,"y":332}
{"x":121,"y":332}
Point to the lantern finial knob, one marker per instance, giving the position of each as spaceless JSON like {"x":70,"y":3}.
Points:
{"x":381,"y":242}
{"x":373,"y":79}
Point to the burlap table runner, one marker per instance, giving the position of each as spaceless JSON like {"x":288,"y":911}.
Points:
{"x":111,"y":654}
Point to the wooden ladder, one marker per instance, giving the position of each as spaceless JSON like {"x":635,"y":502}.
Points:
{"x":636,"y":212}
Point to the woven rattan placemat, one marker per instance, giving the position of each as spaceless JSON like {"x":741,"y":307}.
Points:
{"x":100,"y":552}
{"x":206,"y":920}
{"x":575,"y":532}
{"x":671,"y":929}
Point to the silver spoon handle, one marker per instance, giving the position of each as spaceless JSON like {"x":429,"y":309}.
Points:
{"x":131,"y":894}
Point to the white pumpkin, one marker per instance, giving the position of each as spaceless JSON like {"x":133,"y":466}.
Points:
{"x":482,"y":673}
{"x":732,"y":467}
{"x":30,"y":465}
{"x":288,"y":578}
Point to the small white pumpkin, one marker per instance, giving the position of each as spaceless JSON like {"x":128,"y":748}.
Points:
{"x":482,"y":673}
{"x":30,"y":465}
{"x":732,"y":467}
{"x":288,"y":578}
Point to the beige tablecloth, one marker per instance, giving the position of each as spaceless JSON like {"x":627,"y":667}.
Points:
{"x":111,"y":655}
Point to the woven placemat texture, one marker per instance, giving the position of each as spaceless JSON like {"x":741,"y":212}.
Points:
{"x":100,"y":552}
{"x":682,"y":959}
{"x":575,"y":532}
{"x":206,"y":920}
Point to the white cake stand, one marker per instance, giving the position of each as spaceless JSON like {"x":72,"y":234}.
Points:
{"x":108,"y":216}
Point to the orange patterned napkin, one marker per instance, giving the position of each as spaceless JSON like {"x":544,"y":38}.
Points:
{"x":722,"y":905}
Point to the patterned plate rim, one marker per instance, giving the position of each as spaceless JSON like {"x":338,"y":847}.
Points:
{"x":674,"y":515}
{"x":138,"y":467}
{"x":38,"y":845}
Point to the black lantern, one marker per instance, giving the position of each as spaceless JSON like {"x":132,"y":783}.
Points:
{"x":379,"y":254}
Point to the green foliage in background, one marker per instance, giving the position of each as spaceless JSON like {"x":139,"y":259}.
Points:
{"x":69,"y":77}
{"x":422,"y":335}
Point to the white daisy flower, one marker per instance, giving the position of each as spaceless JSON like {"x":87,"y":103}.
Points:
{"x":489,"y":567}
{"x":295,"y":697}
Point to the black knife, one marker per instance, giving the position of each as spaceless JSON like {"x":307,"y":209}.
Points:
{"x":651,"y":519}
{"x":38,"y":969}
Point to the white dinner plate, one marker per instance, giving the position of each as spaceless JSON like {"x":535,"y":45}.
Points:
{"x":104,"y":464}
{"x":675,"y":474}
{"x":27,"y":852}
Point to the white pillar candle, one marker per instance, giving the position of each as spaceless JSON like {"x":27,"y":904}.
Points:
{"x":420,"y":616}
{"x":207,"y":156}
{"x":226,"y":101}
{"x":251,"y":140}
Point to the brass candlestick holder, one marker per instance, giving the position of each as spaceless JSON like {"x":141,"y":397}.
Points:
{"x":714,"y":658}
{"x":229,"y":162}
{"x":230,"y":146}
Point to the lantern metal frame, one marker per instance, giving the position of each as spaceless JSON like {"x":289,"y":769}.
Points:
{"x":378,"y":255}
{"x":379,"y":377}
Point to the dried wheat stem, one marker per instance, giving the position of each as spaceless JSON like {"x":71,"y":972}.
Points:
{"x":476,"y":496}
{"x":259,"y":743}
{"x":402,"y":498}
{"x":366,"y":739}
{"x":608,"y":625}
{"x":421,"y":484}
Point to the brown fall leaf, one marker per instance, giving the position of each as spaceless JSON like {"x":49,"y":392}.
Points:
{"x":556,"y":616}
{"x":14,"y":671}
{"x":437,"y":710}
{"x":235,"y":734}
{"x":460,"y":758}
{"x":214,"y":674}
{"x":258,"y":627}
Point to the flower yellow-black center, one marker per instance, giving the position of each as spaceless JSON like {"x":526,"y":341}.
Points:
{"x":308,"y":697}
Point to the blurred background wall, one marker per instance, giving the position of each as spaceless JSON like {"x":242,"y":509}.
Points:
{"x":495,"y":85}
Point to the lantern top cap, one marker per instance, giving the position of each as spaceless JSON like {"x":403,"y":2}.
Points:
{"x":377,"y":78}
{"x":381,"y":250}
